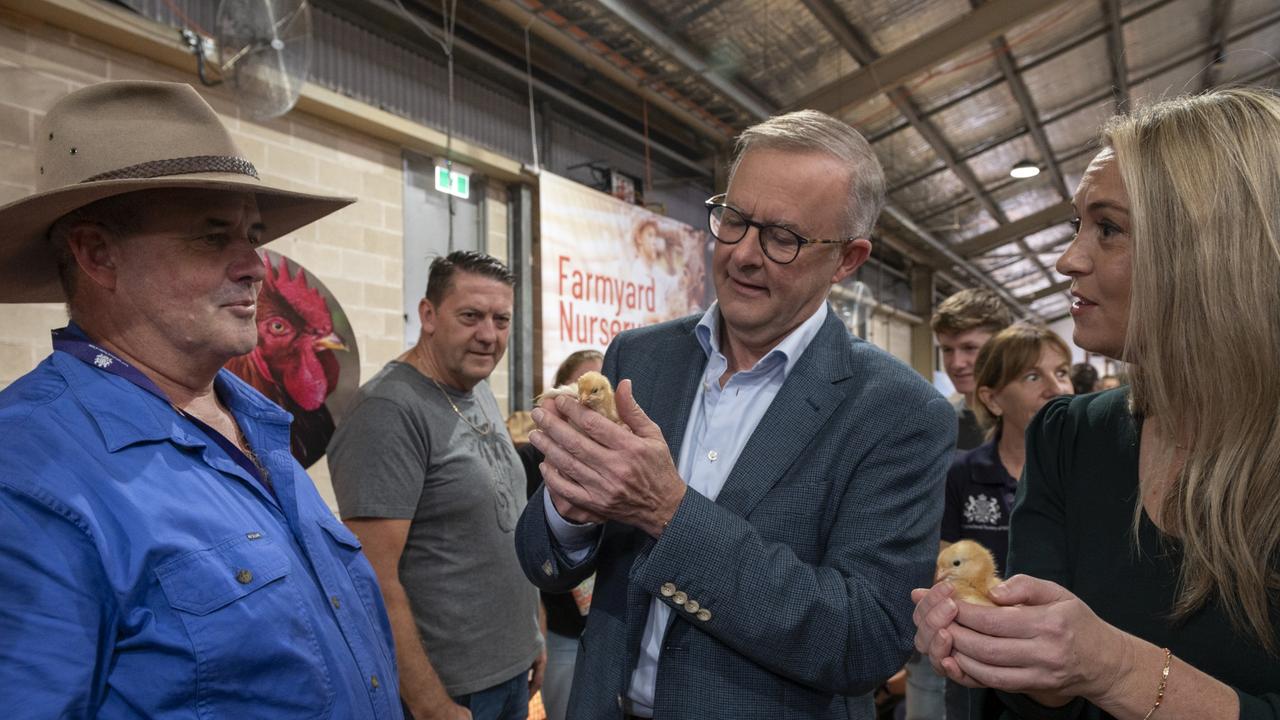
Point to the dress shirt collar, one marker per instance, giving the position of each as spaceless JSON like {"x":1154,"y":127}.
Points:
{"x":788,"y":351}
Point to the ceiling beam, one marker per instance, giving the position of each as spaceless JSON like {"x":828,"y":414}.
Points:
{"x":632,"y":78}
{"x":491,"y":60}
{"x":1031,"y":64}
{"x":924,"y":237}
{"x":1029,"y":225}
{"x":650,"y":31}
{"x":1004,"y":58}
{"x":1046,"y":291}
{"x":920,"y":55}
{"x":1088,"y":147}
{"x":851,"y":38}
{"x":1217,"y":42}
{"x":1010,"y":136}
{"x":1115,"y":51}
{"x":1258,"y":25}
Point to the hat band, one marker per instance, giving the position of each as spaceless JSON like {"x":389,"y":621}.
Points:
{"x":180,"y":166}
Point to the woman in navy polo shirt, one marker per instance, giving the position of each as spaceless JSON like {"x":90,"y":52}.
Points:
{"x":1018,"y":371}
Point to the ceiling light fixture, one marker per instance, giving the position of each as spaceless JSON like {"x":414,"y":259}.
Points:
{"x":1024,"y":169}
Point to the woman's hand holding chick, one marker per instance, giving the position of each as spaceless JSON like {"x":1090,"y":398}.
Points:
{"x":1039,"y":639}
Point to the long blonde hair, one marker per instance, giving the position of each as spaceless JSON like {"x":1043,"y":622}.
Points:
{"x":1203,"y":177}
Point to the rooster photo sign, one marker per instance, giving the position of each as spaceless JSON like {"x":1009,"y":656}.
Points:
{"x":306,"y":360}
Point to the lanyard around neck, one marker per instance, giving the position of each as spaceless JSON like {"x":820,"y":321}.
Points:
{"x":73,"y":341}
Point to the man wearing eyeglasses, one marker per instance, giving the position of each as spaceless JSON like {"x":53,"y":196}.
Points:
{"x":758,"y":524}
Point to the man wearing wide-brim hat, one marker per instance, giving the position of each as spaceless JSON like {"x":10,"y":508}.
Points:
{"x":161,"y":552}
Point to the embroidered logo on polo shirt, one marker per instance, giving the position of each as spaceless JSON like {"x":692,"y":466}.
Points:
{"x":102,"y":361}
{"x":982,"y":510}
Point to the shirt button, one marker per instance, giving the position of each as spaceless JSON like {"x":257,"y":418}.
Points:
{"x":704,"y":615}
{"x":668,"y":589}
{"x":692,"y":606}
{"x":244,"y":577}
{"x":713,"y":455}
{"x":373,"y":682}
{"x":336,"y":602}
{"x":680,"y":598}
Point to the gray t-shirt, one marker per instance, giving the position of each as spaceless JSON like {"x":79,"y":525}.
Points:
{"x":402,"y":452}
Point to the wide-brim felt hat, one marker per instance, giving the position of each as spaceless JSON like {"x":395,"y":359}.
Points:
{"x":121,"y":137}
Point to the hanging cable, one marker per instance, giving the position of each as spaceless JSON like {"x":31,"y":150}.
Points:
{"x":450,"y":20}
{"x":177,"y":11}
{"x":449,"y":12}
{"x":528,"y":74}
{"x":648,"y":164}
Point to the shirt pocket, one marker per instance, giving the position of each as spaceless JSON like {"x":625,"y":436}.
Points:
{"x":255,"y":649}
{"x":364,"y":581}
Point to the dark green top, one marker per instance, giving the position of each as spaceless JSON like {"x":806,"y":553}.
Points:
{"x":1071,"y":524}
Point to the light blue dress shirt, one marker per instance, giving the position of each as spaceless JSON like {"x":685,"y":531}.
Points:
{"x":143,"y":573}
{"x":721,"y":421}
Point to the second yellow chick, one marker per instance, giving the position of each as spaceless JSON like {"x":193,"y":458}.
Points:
{"x":970,"y":568}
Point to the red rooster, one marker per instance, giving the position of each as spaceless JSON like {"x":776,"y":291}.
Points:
{"x":293,"y":364}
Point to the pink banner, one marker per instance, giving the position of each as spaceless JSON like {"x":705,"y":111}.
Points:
{"x":608,"y":266}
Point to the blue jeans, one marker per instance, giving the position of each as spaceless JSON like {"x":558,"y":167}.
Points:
{"x":562,"y":651}
{"x":925,"y":691}
{"x":504,"y":701}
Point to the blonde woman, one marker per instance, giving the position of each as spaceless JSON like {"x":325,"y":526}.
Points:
{"x":1145,"y":527}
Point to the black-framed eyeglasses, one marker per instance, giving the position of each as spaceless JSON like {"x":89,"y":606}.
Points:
{"x":781,"y":245}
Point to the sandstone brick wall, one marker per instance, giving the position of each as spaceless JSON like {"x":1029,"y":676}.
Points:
{"x":357,"y":252}
{"x":496,"y":244}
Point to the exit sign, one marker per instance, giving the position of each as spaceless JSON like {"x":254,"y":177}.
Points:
{"x":453,"y":182}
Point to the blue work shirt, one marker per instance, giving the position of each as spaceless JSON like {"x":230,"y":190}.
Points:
{"x":144,"y":573}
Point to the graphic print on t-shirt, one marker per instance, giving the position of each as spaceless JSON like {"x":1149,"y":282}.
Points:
{"x":494,"y":449}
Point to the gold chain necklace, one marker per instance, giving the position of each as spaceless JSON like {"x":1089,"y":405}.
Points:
{"x":243,"y":442}
{"x":481,"y":431}
{"x":253,"y":456}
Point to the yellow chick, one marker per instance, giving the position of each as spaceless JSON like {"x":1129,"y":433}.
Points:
{"x":970,"y":568}
{"x":592,"y":390}
{"x":595,"y":392}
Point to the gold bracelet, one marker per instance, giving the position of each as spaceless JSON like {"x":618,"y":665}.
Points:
{"x":1164,"y":681}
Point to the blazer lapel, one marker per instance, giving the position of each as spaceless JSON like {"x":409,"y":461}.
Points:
{"x":801,"y":409}
{"x":671,"y":387}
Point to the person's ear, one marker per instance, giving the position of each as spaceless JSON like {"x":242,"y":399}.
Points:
{"x":427,"y":316}
{"x":852,"y":255}
{"x":987,"y":397}
{"x":97,"y":253}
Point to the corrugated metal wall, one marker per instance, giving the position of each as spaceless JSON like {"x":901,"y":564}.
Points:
{"x":414,"y":84}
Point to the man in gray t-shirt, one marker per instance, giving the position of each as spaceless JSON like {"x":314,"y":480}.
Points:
{"x":427,"y":477}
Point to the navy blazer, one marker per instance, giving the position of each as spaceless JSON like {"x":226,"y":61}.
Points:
{"x":803,"y":566}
